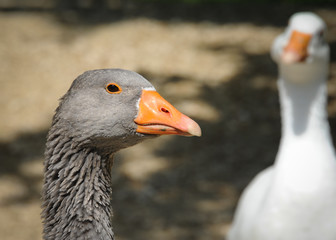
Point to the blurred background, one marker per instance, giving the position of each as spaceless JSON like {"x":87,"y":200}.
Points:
{"x":209,"y":58}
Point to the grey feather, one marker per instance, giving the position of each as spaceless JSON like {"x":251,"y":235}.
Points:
{"x":88,"y":127}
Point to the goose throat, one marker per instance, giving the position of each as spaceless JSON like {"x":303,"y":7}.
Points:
{"x":77,"y":192}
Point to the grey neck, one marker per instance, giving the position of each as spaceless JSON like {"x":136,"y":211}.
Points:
{"x":76,"y":192}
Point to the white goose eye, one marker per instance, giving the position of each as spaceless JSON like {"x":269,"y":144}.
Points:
{"x":321,"y":34}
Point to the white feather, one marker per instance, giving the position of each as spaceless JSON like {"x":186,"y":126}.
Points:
{"x":295,"y":199}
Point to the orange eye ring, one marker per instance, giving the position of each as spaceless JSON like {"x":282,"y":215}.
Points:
{"x":113,"y":88}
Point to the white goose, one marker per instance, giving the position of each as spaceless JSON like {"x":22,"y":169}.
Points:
{"x":296,"y":198}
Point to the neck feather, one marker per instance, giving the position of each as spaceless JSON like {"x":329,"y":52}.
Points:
{"x":303,"y":108}
{"x":306,"y":161}
{"x":306,"y":136}
{"x":76,"y":191}
{"x":303,"y":96}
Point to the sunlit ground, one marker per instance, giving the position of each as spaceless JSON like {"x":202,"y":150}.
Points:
{"x":217,"y":72}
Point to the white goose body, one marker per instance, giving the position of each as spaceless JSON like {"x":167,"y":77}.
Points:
{"x":296,"y":198}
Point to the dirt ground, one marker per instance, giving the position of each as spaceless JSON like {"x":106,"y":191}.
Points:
{"x":212,"y":62}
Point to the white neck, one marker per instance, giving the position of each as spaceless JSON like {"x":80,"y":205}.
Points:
{"x":303,"y":104}
{"x":306,"y":150}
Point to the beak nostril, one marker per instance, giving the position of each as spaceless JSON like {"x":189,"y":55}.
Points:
{"x":165,"y":110}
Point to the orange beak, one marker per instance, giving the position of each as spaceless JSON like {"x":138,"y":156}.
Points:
{"x":296,"y":50}
{"x":157,"y":116}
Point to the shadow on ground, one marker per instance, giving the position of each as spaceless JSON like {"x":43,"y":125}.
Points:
{"x":195,"y":195}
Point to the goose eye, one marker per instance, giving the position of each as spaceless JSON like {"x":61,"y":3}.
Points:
{"x":321,"y":33}
{"x":113,"y":88}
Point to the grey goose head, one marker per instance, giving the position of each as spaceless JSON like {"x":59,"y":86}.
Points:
{"x":103,"y":111}
{"x":110,"y":109}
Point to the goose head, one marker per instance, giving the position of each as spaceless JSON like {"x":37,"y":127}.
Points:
{"x":301,"y":50}
{"x":111,"y":109}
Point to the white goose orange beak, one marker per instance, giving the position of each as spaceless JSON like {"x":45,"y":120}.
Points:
{"x":296,"y":49}
{"x":157,"y":116}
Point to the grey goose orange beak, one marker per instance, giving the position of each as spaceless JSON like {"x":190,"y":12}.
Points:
{"x":157,"y":116}
{"x":297,"y":48}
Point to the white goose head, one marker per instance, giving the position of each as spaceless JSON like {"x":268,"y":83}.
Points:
{"x":301,"y":51}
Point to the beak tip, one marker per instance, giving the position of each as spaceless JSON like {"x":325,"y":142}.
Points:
{"x":195,"y":130}
{"x":289,"y":57}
